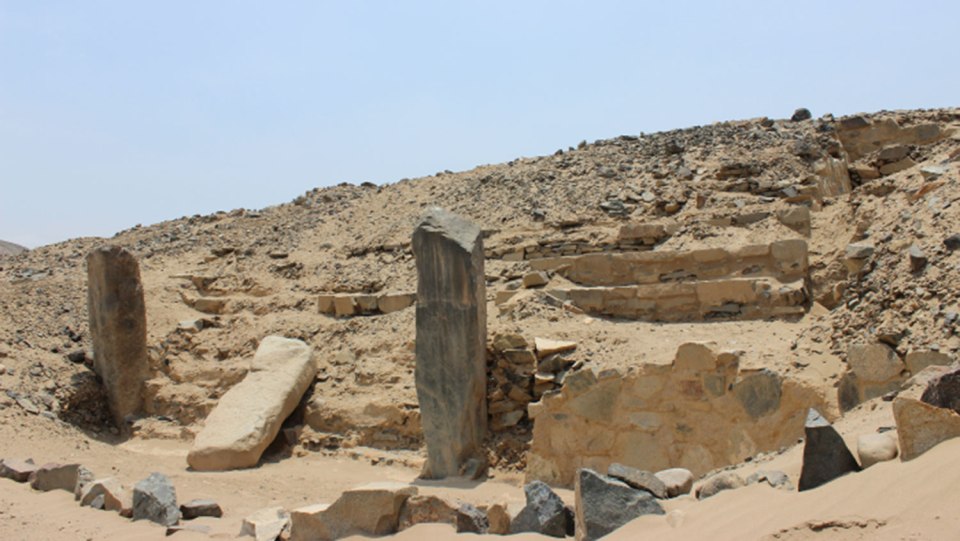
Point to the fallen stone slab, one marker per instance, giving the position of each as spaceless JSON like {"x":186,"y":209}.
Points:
{"x":719,"y":483}
{"x":873,"y":448}
{"x":544,"y":513}
{"x":426,"y":509}
{"x":921,"y":426}
{"x":155,"y":499}
{"x":678,"y":481}
{"x":371,"y":510}
{"x":109,"y":491}
{"x":266,"y":524}
{"x":604,"y":504}
{"x":200,"y":508}
{"x":17,"y":470}
{"x":249,"y":416}
{"x":638,"y":479}
{"x":55,"y":476}
{"x":825,"y":455}
{"x":450,"y":370}
{"x":546,"y":347}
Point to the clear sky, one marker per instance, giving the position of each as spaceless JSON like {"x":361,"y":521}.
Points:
{"x":114,"y":113}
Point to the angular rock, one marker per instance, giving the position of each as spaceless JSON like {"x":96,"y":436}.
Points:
{"x":859,"y":250}
{"x":921,"y":426}
{"x":471,"y":520}
{"x":544,"y":513}
{"x":944,"y":391}
{"x":605,"y":504}
{"x":774,"y":478}
{"x":718,"y":483}
{"x":498,"y":519}
{"x":638,"y":479}
{"x":84,"y":478}
{"x":546,"y":347}
{"x":535,"y":279}
{"x":678,"y":481}
{"x":873,"y":448}
{"x":421,"y":509}
{"x":55,"y":476}
{"x":200,"y":508}
{"x":249,"y":416}
{"x":371,"y":510}
{"x":155,"y":499}
{"x":105,"y":494}
{"x":918,"y":360}
{"x":266,"y":524}
{"x":118,"y":328}
{"x":918,"y":260}
{"x":17,"y":470}
{"x":874,"y":362}
{"x":450,"y":368}
{"x":825,"y":455}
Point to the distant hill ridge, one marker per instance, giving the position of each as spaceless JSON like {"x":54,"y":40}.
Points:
{"x":9,"y":248}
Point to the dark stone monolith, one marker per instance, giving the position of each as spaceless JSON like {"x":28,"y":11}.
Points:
{"x":605,"y":504}
{"x":544,"y":513}
{"x":825,"y":455}
{"x":118,"y":326}
{"x":451,"y":341}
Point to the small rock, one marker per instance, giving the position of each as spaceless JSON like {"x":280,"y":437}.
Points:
{"x":200,"y":508}
{"x":859,"y":250}
{"x":718,"y":483}
{"x":825,"y":455}
{"x":918,"y":260}
{"x":638,"y":479}
{"x":105,"y":493}
{"x":471,"y":520}
{"x":801,"y":114}
{"x":266,"y":524}
{"x":677,"y":481}
{"x":77,"y":356}
{"x":84,"y":478}
{"x":605,"y":504}
{"x":944,"y":391}
{"x":774,"y":478}
{"x":498,"y":519}
{"x":952,"y":242}
{"x":544,"y":512}
{"x":535,"y":279}
{"x":155,"y":499}
{"x":17,"y":470}
{"x":55,"y":476}
{"x":873,"y":448}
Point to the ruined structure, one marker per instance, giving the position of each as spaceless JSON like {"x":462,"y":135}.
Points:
{"x":451,"y":341}
{"x":118,"y":326}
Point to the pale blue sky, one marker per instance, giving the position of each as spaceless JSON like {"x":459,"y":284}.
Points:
{"x":114,"y":113}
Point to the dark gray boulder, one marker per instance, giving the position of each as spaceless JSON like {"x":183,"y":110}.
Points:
{"x":944,"y":391}
{"x":450,"y":368}
{"x":545,"y":513}
{"x":605,"y":504}
{"x":470,"y":519}
{"x":825,"y":455}
{"x":155,"y":499}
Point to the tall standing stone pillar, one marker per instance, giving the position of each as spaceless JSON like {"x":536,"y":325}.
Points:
{"x":451,"y":341}
{"x":118,"y":326}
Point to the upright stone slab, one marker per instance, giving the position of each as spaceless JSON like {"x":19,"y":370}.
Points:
{"x":118,"y":326}
{"x":451,"y":341}
{"x":825,"y":455}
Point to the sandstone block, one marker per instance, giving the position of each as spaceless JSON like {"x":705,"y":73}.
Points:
{"x":546,"y":347}
{"x":118,"y":328}
{"x":874,"y":362}
{"x":605,"y":504}
{"x":108,"y":490}
{"x":918,"y":360}
{"x":825,"y":455}
{"x":678,"y":481}
{"x":450,"y":368}
{"x":921,"y":426}
{"x":873,"y":448}
{"x":535,"y":279}
{"x":266,"y":524}
{"x":249,"y":415}
{"x":371,"y":510}
{"x":155,"y":499}
{"x":55,"y":476}
{"x":421,"y":509}
{"x":696,"y":357}
{"x":498,"y":518}
{"x":395,"y":302}
{"x":17,"y":470}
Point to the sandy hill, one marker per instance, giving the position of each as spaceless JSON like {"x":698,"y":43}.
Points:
{"x":873,"y":197}
{"x":9,"y":248}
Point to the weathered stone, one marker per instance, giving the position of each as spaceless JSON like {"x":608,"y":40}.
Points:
{"x":535,"y":279}
{"x":796,"y":218}
{"x":859,"y":250}
{"x":450,"y":368}
{"x":759,"y":393}
{"x":471,"y":520}
{"x":504,"y":341}
{"x":498,"y":519}
{"x":918,"y":260}
{"x":944,"y":391}
{"x":84,"y":477}
{"x":873,"y":448}
{"x":918,"y":360}
{"x":421,"y":509}
{"x":200,"y":508}
{"x":17,"y":470}
{"x":696,"y":357}
{"x":874,"y":362}
{"x":266,"y":524}
{"x":677,"y":481}
{"x":155,"y":499}
{"x":952,"y":242}
{"x":825,"y":455}
{"x":546,"y":347}
{"x":55,"y":476}
{"x":774,"y":478}
{"x":718,"y":483}
{"x":801,"y":114}
{"x":196,"y":528}
{"x":638,"y":479}
{"x":921,"y":426}
{"x":544,"y":512}
{"x":248,"y":417}
{"x":109,"y":491}
{"x":395,"y":302}
{"x":605,"y":504}
{"x":118,"y":328}
{"x":371,"y":510}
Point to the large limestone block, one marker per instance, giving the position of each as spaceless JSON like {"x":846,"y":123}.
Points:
{"x":248,"y":417}
{"x":921,"y":426}
{"x":451,"y":341}
{"x":371,"y":510}
{"x":118,"y":327}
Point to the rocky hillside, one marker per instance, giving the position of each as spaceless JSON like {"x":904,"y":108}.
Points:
{"x":885,"y":183}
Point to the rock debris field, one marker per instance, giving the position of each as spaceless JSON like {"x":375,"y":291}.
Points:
{"x":746,"y":330}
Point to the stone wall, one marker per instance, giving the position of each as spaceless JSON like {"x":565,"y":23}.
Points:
{"x":353,"y":304}
{"x":701,"y":412}
{"x":631,"y":237}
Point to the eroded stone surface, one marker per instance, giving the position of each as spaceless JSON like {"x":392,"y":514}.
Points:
{"x":155,"y":499}
{"x":371,"y":510}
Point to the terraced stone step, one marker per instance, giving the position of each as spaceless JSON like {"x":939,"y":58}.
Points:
{"x":354,"y":304}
